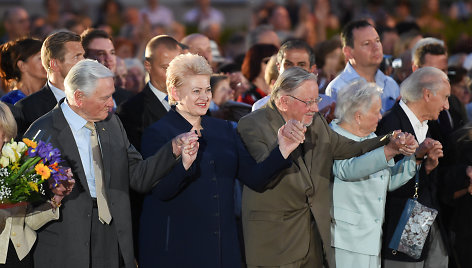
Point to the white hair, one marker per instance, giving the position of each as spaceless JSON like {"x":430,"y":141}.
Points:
{"x":356,"y":96}
{"x":84,"y":76}
{"x":428,"y":77}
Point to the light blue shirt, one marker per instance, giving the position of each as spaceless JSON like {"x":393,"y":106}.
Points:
{"x":82,"y":139}
{"x":390,"y":89}
{"x":58,"y":93}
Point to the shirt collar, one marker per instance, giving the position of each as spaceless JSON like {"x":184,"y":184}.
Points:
{"x":351,"y":74}
{"x":58,"y":93}
{"x":159,"y":94}
{"x":412,"y":117}
{"x":75,"y":121}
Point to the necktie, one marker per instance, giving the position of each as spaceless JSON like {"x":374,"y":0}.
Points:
{"x":103,"y":210}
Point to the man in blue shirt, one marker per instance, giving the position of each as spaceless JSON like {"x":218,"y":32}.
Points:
{"x":363,"y":50}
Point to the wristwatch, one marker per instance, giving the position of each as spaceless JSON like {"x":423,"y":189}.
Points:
{"x":388,"y":136}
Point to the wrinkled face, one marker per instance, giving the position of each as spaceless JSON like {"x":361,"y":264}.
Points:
{"x":437,"y":61}
{"x":201,"y":46}
{"x":35,"y":67}
{"x":99,"y":104}
{"x":222,"y":92}
{"x":102,"y":50}
{"x":295,"y":57}
{"x":194,"y":95}
{"x":157,"y":66}
{"x":74,"y":53}
{"x":437,"y":102}
{"x":369,"y":119}
{"x":298,"y":110}
{"x":367,"y":50}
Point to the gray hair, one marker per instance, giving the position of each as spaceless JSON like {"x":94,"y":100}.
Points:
{"x":356,"y":96}
{"x":290,"y":80}
{"x":428,"y":77}
{"x":84,"y":76}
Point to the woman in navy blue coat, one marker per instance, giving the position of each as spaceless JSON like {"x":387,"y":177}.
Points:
{"x":188,"y":218}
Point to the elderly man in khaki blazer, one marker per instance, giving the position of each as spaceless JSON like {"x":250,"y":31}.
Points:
{"x":288,"y":225}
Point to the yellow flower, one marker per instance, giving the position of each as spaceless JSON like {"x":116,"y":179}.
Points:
{"x":43,"y":170}
{"x":33,"y":186}
{"x":30,"y":143}
{"x":15,"y":166}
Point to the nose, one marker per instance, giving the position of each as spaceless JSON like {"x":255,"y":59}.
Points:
{"x":446,"y":104}
{"x":314,"y":108}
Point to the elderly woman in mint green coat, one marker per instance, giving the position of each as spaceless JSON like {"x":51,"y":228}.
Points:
{"x":361,"y":183}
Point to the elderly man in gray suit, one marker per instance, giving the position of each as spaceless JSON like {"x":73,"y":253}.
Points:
{"x":94,"y":229}
{"x":288,"y":225}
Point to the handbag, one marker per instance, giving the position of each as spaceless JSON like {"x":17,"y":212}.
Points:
{"x":413,"y":227}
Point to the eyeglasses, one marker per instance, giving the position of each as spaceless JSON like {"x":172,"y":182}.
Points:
{"x":308,"y":103}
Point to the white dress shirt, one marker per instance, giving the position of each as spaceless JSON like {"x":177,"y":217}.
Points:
{"x":59,"y":94}
{"x":420,"y":128}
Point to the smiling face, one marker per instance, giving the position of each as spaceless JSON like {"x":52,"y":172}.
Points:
{"x":193,"y":96}
{"x":367,"y":50}
{"x":292,"y":108}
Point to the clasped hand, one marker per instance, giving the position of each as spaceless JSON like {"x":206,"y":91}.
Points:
{"x":289,"y":136}
{"x":186,"y":145}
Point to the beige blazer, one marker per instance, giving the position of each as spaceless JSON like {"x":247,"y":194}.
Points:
{"x":277,"y":224}
{"x":21,"y":229}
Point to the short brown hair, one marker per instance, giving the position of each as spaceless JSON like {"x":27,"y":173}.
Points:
{"x":88,"y":35}
{"x":53,"y":47}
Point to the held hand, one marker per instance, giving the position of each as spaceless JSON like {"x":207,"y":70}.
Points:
{"x":433,"y":157}
{"x":410,"y":144}
{"x":179,"y":141}
{"x":400,"y":143}
{"x":424,"y":147}
{"x":189,"y":153}
{"x":61,"y":190}
{"x":290,"y":136}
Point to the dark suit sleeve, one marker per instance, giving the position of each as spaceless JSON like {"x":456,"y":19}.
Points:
{"x":344,"y":148}
{"x":145,"y":174}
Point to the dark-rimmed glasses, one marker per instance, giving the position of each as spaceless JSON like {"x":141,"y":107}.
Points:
{"x":308,"y":103}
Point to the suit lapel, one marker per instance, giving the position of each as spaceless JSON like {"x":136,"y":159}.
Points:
{"x":153,"y":107}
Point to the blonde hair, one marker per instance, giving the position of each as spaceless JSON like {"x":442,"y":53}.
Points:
{"x":181,"y":67}
{"x":7,"y":122}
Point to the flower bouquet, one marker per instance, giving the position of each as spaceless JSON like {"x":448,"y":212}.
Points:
{"x":24,"y":167}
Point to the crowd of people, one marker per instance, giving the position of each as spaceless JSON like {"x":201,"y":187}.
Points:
{"x":294,"y":144}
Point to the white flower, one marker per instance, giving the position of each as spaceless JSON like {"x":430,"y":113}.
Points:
{"x":9,"y":150}
{"x":4,"y":162}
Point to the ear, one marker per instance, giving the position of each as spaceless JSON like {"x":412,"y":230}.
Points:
{"x":174,"y":94}
{"x":147,"y":66}
{"x":53,"y":65}
{"x":426,"y":94}
{"x":414,"y":67}
{"x":347,"y":51}
{"x":357,"y":117}
{"x":78,"y":97}
{"x":278,"y":67}
{"x":282,"y":103}
{"x":21,"y":66}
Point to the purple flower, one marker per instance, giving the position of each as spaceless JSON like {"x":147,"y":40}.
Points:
{"x":47,"y":152}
